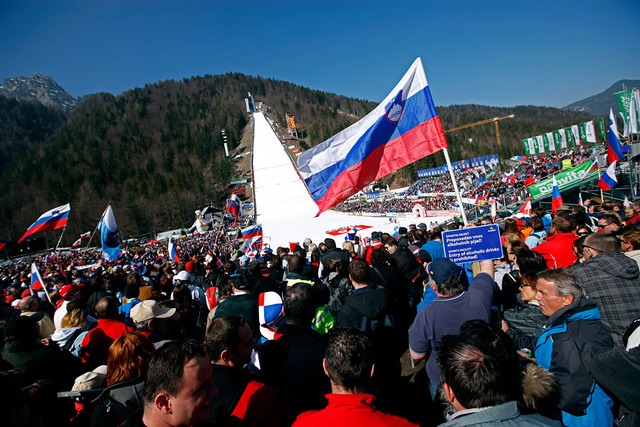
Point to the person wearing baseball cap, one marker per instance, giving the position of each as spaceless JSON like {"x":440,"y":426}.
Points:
{"x":149,"y":318}
{"x":455,"y":304}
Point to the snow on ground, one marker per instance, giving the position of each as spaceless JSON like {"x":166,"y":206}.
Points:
{"x":285,"y":208}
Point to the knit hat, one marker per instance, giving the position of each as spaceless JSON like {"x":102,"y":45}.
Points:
{"x":190,"y":266}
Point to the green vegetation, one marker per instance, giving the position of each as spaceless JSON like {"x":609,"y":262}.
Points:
{"x":157,"y":152}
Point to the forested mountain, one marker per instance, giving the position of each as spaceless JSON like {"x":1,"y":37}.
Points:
{"x":602,"y":102}
{"x":156,"y":152}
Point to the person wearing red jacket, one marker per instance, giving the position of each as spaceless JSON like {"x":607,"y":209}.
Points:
{"x":349,"y":365}
{"x":557,"y":248}
{"x":95,"y":345}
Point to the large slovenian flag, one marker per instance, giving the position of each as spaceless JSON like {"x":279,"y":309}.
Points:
{"x":404,"y":128}
{"x":556,"y":198}
{"x":608,"y":179}
{"x":613,"y":141}
{"x":109,"y":235}
{"x":50,"y":220}
{"x":173,"y":252}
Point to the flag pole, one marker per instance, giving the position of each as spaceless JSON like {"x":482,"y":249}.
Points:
{"x":60,"y":239}
{"x":455,"y":185}
{"x":599,"y":178}
{"x":96,"y":229}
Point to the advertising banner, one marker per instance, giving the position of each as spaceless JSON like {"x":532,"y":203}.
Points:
{"x":565,"y":179}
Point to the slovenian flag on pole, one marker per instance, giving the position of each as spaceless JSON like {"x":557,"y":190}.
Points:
{"x":50,"y":220}
{"x":613,"y":141}
{"x":85,"y":235}
{"x":173,"y":252}
{"x":36,"y":279}
{"x":233,"y":207}
{"x":608,"y":179}
{"x":556,"y":198}
{"x":404,"y":128}
{"x":109,"y":235}
{"x":251,"y":235}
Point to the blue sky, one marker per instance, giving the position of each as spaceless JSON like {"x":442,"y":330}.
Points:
{"x":500,"y":53}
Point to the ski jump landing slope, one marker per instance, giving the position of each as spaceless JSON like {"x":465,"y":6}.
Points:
{"x":283,"y":205}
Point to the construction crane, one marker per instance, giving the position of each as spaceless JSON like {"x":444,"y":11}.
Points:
{"x":481,"y":122}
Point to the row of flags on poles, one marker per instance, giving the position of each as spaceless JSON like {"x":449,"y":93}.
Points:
{"x":59,"y":217}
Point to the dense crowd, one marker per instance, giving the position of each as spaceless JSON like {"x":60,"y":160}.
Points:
{"x":544,"y":335}
{"x":480,"y":182}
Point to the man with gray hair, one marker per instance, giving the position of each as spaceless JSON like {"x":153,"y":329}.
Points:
{"x":612,"y":280}
{"x":573,"y":334}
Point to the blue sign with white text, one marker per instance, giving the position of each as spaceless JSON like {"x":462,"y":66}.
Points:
{"x":472,"y":244}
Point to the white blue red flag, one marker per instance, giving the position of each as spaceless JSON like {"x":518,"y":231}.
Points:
{"x":173,"y":252}
{"x":580,"y":202}
{"x":109,"y":235}
{"x":234,"y":204}
{"x":556,"y":198}
{"x":592,"y":168}
{"x":85,"y":235}
{"x":404,"y":128}
{"x":36,"y":279}
{"x":50,"y":220}
{"x":613,"y":141}
{"x":252,"y":238}
{"x":608,"y":179}
{"x":77,"y":243}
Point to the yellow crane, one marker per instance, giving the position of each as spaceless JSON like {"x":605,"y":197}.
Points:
{"x":481,"y":122}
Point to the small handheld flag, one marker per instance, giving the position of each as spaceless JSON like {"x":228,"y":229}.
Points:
{"x":626,"y":203}
{"x":109,"y":235}
{"x":77,"y":243}
{"x":613,"y":141}
{"x":50,"y":220}
{"x":36,"y":280}
{"x":85,"y":235}
{"x":608,"y":179}
{"x":556,"y":198}
{"x":173,"y":252}
{"x":592,"y":168}
{"x":526,"y":207}
{"x":580,"y":202}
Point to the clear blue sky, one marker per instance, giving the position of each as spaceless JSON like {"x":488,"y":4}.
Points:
{"x":500,"y":53}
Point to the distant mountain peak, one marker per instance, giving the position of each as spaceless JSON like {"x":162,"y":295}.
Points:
{"x":599,"y":104}
{"x":38,"y":88}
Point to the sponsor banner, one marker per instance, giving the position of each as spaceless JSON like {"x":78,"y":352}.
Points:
{"x":344,"y":230}
{"x":234,"y":181}
{"x":287,"y":136}
{"x":295,"y":150}
{"x":472,"y":244}
{"x":565,"y":179}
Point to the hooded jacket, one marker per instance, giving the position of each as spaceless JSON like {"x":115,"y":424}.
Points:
{"x":368,"y":302}
{"x":612,"y":281}
{"x":566,"y":348}
{"x":117,"y":402}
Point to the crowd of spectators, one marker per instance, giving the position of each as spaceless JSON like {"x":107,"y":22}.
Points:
{"x":545,"y":335}
{"x":481,"y":183}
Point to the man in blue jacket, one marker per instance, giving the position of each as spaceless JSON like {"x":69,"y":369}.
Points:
{"x":574,"y":333}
